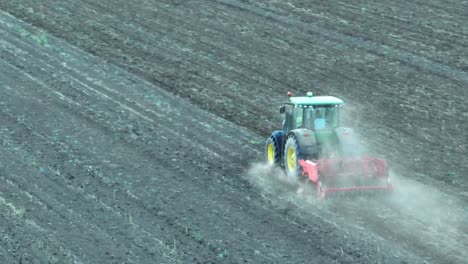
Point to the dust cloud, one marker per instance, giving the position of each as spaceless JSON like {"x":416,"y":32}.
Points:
{"x":272,"y":181}
{"x":436,"y":220}
{"x":422,"y":215}
{"x":421,"y":218}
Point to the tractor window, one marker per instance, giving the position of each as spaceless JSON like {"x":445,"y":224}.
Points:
{"x":321,"y":117}
{"x":288,"y":118}
{"x":327,"y":117}
{"x":299,"y":113}
{"x":333,"y":116}
{"x":308,"y":117}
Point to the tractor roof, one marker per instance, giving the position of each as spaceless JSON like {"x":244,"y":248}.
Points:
{"x":316,"y":100}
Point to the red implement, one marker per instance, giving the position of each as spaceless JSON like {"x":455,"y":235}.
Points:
{"x":346,"y":174}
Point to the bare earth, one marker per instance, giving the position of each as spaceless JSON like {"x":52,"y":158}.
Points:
{"x":132,"y":131}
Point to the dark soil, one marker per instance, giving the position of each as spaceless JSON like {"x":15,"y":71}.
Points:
{"x":129,"y":130}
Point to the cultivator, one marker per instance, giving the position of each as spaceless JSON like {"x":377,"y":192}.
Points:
{"x":344,"y":175}
{"x":313,"y":144}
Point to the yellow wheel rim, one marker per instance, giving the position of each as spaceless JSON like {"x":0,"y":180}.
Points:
{"x":291,"y":159}
{"x":271,"y":153}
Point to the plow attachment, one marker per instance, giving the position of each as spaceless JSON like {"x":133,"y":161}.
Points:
{"x":347,"y":174}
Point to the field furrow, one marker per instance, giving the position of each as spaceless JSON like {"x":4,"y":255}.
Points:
{"x":133,"y":131}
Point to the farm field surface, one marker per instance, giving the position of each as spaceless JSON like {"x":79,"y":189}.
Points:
{"x":133,"y":131}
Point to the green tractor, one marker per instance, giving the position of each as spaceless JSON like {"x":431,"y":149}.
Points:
{"x":313,"y":144}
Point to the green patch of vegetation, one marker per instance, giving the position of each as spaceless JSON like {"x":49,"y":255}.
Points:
{"x":39,"y":37}
{"x":256,"y":142}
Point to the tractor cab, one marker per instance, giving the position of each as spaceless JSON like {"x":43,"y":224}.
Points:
{"x":317,"y":113}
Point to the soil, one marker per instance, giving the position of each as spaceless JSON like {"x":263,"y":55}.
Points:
{"x":133,"y":131}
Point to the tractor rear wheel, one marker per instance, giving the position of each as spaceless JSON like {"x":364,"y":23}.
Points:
{"x":291,"y":157}
{"x":272,"y":151}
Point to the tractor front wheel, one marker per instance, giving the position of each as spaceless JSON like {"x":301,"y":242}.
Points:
{"x":272,"y":151}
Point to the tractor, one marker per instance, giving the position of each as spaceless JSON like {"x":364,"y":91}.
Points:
{"x":313,"y":146}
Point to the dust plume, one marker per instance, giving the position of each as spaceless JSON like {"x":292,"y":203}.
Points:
{"x":418,"y":213}
{"x":272,"y":181}
{"x":419,"y":217}
{"x":436,"y":220}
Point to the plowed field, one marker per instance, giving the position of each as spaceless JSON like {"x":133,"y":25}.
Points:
{"x":133,"y":131}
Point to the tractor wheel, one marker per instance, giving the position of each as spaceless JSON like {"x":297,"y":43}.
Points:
{"x":291,"y":158}
{"x":272,"y":151}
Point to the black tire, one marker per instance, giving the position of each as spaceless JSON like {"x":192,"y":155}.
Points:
{"x":272,"y":152}
{"x":291,"y":156}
